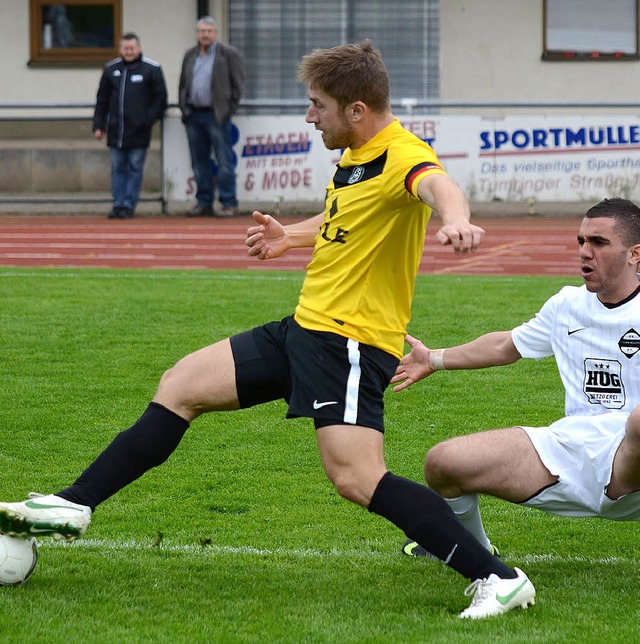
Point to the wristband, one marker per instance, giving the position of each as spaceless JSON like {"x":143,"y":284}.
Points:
{"x":436,"y":359}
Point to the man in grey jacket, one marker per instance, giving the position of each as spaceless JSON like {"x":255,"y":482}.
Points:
{"x":211,"y":85}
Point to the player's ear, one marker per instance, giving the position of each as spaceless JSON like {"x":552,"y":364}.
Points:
{"x":634,"y":254}
{"x":355,"y":111}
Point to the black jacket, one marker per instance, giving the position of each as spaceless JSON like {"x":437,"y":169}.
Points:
{"x":131,"y":98}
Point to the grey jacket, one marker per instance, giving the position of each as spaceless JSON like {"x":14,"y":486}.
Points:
{"x":227,"y":81}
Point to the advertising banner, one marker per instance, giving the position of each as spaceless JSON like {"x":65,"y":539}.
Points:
{"x":278,"y":158}
{"x":513,"y":158}
{"x":557,"y":158}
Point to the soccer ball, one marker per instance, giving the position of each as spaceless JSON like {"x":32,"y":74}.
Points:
{"x":18,"y":558}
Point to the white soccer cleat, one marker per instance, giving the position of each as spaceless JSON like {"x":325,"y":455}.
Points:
{"x":494,"y":596}
{"x":43,"y":516}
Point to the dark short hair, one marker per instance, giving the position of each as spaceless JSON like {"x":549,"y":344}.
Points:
{"x":626,"y":215}
{"x":130,"y":36}
{"x":348,"y":73}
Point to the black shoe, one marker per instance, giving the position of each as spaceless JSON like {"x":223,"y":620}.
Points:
{"x":126,"y":213}
{"x":116,"y":213}
{"x":414,"y":549}
{"x":200,"y":211}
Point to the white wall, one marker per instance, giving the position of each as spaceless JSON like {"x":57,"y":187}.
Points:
{"x":165,"y":27}
{"x":491,"y":50}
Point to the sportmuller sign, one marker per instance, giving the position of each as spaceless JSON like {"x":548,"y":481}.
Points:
{"x":578,"y":158}
{"x":513,"y":158}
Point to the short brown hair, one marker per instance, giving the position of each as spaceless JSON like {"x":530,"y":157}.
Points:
{"x":348,"y":73}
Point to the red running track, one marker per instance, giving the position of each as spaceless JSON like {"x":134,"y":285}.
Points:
{"x":522,"y":246}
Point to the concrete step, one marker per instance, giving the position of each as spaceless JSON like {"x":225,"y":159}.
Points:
{"x":54,"y":165}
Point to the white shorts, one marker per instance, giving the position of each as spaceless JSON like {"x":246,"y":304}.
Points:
{"x":580,"y":450}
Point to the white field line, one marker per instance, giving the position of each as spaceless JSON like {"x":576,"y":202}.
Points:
{"x":211,"y":550}
{"x":111,"y":545}
{"x":120,"y":273}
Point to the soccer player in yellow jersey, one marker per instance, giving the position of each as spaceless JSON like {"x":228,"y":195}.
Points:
{"x":333,"y":359}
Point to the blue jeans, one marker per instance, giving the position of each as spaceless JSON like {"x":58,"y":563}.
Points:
{"x":126,"y":176}
{"x":204,"y":134}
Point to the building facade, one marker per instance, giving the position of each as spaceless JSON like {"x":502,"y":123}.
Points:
{"x":494,"y":85}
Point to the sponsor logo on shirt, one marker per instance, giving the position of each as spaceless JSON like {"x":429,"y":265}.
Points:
{"x":603,"y":383}
{"x":629,"y":343}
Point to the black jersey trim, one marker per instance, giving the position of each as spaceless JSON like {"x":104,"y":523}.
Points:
{"x":350,"y":175}
{"x":615,"y":305}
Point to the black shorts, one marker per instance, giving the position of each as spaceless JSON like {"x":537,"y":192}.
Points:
{"x":321,"y":375}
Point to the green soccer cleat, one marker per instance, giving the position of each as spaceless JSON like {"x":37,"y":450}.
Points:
{"x":495,"y":596}
{"x":414,"y":549}
{"x":43,"y":516}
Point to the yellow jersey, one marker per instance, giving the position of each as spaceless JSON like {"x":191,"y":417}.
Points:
{"x":361,"y":278}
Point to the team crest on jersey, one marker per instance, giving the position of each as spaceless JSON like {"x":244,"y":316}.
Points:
{"x":603,"y":383}
{"x":356,"y":174}
{"x":629,"y":343}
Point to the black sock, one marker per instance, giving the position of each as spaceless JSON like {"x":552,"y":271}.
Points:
{"x":425,"y":517}
{"x":147,"y":443}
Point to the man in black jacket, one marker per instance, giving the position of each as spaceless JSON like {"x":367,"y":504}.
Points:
{"x":132,"y":96}
{"x":211,"y":85}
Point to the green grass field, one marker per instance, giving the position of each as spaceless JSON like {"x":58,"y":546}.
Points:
{"x":239,"y":537}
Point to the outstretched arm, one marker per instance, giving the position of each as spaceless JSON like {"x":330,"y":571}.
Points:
{"x":489,"y":350}
{"x":269,"y":238}
{"x":445,"y":196}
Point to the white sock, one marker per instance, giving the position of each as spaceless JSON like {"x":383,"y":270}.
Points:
{"x":467,"y":509}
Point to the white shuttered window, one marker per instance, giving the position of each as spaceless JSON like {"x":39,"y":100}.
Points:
{"x":274,"y":34}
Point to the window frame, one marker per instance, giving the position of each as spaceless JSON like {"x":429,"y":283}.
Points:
{"x":72,"y":56}
{"x":569,"y":55}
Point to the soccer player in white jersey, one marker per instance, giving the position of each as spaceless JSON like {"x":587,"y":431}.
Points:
{"x":588,"y":463}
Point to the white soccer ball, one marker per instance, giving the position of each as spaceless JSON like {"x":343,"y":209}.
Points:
{"x":18,"y":558}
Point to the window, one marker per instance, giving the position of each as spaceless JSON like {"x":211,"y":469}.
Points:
{"x":590,"y":30}
{"x":274,"y":34}
{"x":75,"y":32}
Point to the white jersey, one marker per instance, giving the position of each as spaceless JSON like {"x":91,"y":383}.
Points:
{"x":597,"y":349}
